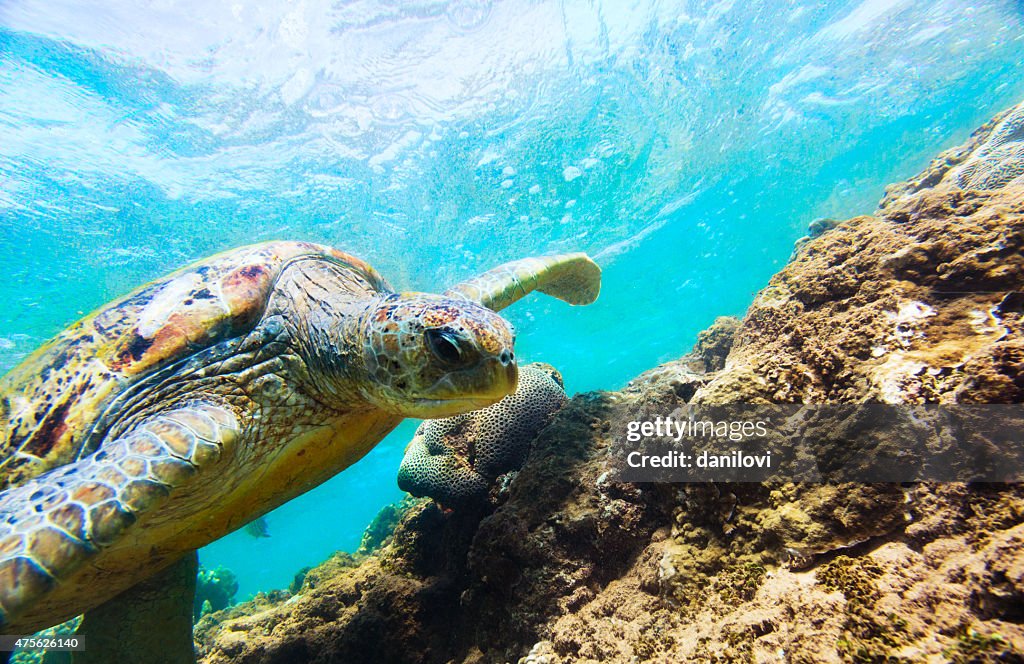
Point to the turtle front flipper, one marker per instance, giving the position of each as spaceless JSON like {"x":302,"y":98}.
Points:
{"x":573,"y":278}
{"x":54,"y":523}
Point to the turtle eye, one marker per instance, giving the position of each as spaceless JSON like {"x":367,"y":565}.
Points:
{"x":444,"y":345}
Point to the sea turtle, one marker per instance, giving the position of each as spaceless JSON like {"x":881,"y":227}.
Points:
{"x":186,"y":409}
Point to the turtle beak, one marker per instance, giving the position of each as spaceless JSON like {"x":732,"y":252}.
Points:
{"x":494,"y":379}
{"x":506,"y":375}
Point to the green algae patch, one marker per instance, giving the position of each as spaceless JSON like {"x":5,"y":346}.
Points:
{"x":868,"y":636}
{"x":739,"y":583}
{"x":854,"y":577}
{"x":974,"y":647}
{"x":735,"y":644}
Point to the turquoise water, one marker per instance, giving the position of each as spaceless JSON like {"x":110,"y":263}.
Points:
{"x":685,"y":145}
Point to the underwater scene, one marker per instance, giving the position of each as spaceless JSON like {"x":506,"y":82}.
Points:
{"x":472,"y":331}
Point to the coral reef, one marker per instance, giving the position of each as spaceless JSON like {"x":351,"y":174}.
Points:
{"x":992,"y":158}
{"x":382,"y":526}
{"x":456,"y":460}
{"x":815,"y":229}
{"x":999,"y":161}
{"x":215,"y":590}
{"x":919,"y":303}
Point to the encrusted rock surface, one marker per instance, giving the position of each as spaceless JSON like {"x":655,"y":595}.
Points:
{"x":920,"y":303}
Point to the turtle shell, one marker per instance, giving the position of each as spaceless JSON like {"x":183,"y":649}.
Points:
{"x":50,"y":402}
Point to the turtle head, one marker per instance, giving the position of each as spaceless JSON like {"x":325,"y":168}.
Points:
{"x":429,"y":356}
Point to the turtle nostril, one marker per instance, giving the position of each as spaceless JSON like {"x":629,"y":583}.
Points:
{"x":505,"y":357}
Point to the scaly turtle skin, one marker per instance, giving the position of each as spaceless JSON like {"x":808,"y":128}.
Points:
{"x":209,"y":397}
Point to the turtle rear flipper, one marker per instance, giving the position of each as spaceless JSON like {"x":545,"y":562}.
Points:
{"x":573,"y":278}
{"x":149,"y":622}
{"x":54,"y":523}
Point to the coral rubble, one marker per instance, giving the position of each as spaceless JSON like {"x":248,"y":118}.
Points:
{"x":919,"y":303}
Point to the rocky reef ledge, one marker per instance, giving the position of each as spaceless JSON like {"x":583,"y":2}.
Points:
{"x":920,"y":303}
